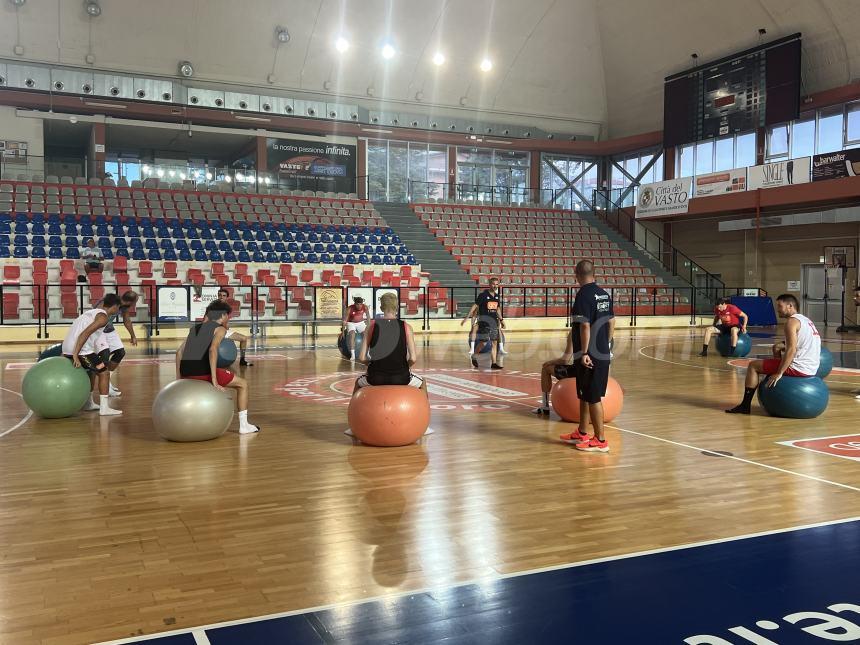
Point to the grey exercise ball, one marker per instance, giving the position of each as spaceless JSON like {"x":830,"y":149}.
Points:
{"x":189,"y":410}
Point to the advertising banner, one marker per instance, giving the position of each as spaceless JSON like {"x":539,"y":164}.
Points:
{"x":200,"y":299}
{"x":329,"y":303}
{"x":720,"y":183}
{"x":310,"y":165}
{"x":779,"y":173}
{"x":664,"y":198}
{"x":836,"y":165}
{"x":172,"y":304}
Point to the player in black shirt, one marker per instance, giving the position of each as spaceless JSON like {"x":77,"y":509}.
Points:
{"x":586,"y":358}
{"x":488,"y":308}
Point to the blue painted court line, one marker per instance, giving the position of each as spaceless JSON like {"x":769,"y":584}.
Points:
{"x":797,"y":587}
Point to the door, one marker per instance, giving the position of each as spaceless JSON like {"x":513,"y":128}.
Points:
{"x":822,"y":294}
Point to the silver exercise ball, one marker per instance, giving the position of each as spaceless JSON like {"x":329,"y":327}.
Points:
{"x":189,"y":410}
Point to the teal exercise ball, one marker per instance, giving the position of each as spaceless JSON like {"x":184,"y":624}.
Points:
{"x":227,"y":353}
{"x":53,"y":350}
{"x":826,"y":364}
{"x":794,"y":397}
{"x":724,"y":345}
{"x":53,"y":388}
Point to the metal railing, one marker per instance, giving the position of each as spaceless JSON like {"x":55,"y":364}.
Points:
{"x":52,"y":305}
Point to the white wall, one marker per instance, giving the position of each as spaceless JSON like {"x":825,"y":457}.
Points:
{"x":15,"y":128}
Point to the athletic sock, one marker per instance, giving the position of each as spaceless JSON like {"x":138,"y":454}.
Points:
{"x":242,"y":354}
{"x":704,"y":349}
{"x":472,"y":347}
{"x":243,"y":417}
{"x":744,"y":406}
{"x":546,"y":399}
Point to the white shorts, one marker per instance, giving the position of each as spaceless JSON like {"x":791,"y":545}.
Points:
{"x":113,"y":341}
{"x":358,"y":327}
{"x":414,"y":381}
{"x":230,"y":332}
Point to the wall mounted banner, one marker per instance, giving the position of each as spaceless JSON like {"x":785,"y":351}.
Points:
{"x":664,"y":198}
{"x":779,"y":173}
{"x":323,"y":163}
{"x":173,"y":304}
{"x":329,"y":303}
{"x":720,"y":183}
{"x":836,"y":165}
{"x":200,"y":299}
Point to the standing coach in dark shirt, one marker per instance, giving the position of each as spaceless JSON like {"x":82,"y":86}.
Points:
{"x":593,"y":328}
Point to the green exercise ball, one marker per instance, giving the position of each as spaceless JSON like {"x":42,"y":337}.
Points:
{"x":53,"y":350}
{"x":53,"y":388}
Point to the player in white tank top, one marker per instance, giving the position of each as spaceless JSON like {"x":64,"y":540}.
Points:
{"x":797,"y":357}
{"x":86,"y":346}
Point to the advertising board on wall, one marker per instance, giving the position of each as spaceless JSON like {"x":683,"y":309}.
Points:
{"x":664,"y":198}
{"x":720,"y":183}
{"x":310,"y":165}
{"x":779,"y":173}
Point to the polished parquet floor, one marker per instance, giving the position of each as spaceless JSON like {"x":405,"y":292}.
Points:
{"x":107,"y":531}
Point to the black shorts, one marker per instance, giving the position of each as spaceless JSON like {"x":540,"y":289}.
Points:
{"x":564,"y":371}
{"x":725,"y":329}
{"x":488,"y":330}
{"x":401,"y":378}
{"x":591,"y":382}
{"x":94,"y":363}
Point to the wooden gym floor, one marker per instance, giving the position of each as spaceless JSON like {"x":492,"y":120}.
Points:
{"x":108,"y":532}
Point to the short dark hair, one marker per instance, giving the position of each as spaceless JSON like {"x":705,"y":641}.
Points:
{"x":223,"y":290}
{"x":128,"y":296}
{"x":216,"y":309}
{"x":789,"y":299}
{"x":724,"y":301}
{"x":110,"y":300}
{"x":492,"y":278}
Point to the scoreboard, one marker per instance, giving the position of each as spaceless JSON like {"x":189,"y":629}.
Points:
{"x":748,"y":90}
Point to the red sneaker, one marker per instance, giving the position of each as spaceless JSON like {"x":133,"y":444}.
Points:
{"x":593,"y":445}
{"x":574,"y":437}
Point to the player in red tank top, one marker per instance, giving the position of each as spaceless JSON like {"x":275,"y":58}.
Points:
{"x":728,"y":319}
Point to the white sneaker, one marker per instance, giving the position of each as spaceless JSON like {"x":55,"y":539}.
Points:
{"x":248,"y":429}
{"x":502,"y":351}
{"x":89,"y":406}
{"x":113,"y":392}
{"x":349,"y":433}
{"x":429,"y":431}
{"x":109,"y":412}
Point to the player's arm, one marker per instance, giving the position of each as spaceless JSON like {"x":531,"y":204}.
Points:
{"x":365,"y":344}
{"x":472,"y":311}
{"x":744,"y":320}
{"x":179,"y":353}
{"x":792,"y":327}
{"x":129,"y":325}
{"x":217,"y":337}
{"x":98,"y":323}
{"x":585,"y":339}
{"x":411,"y":354}
{"x":345,"y":318}
{"x":611,"y":329}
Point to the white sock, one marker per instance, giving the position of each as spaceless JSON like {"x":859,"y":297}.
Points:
{"x":90,"y":404}
{"x":546,"y":399}
{"x":352,"y":354}
{"x":243,"y":417}
{"x":472,"y":347}
{"x":104,"y":408}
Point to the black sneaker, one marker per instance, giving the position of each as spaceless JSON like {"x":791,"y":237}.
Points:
{"x":739,"y":409}
{"x":245,"y":363}
{"x":703,"y":354}
{"x":496,"y":366}
{"x":474,"y":363}
{"x":542,"y":411}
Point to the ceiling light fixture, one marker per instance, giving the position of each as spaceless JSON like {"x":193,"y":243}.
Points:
{"x":282,"y":35}
{"x":186,"y":69}
{"x":93,"y":9}
{"x":17,"y":3}
{"x":341,"y":44}
{"x":388,"y":51}
{"x":486,"y":65}
{"x":438,"y":59}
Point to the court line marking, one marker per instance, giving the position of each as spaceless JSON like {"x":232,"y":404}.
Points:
{"x":479,"y":581}
{"x":26,"y":418}
{"x":791,"y":444}
{"x":200,"y":637}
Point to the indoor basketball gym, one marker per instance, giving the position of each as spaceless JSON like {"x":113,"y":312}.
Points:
{"x":393,"y":235}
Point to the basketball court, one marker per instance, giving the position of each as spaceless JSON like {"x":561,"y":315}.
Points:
{"x":297,"y":535}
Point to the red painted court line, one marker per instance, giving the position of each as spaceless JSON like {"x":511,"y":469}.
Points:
{"x":846,"y":446}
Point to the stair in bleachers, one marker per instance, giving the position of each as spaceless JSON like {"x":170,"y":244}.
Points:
{"x":427,"y":249}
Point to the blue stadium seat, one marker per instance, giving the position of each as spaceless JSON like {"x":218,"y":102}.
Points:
{"x":192,"y":234}
{"x":54,"y":252}
{"x":55,"y":241}
{"x":399,"y":259}
{"x":151,"y":245}
{"x":280,"y":247}
{"x":37,"y":228}
{"x":54,"y":229}
{"x":247,"y":235}
{"x":261,"y":236}
{"x":313,"y":258}
{"x":299,"y":257}
{"x":223,"y":246}
{"x":100,"y":220}
{"x":22,"y":228}
{"x":21,"y":218}
{"x":117,"y":231}
{"x":22,"y":252}
{"x":391,"y":249}
{"x":85,"y":219}
{"x":410,"y":259}
{"x":244,"y":256}
{"x":37,"y":240}
{"x":220,"y":234}
{"x":293,"y":247}
{"x":121,"y":252}
{"x":4,"y":252}
{"x":86,"y":230}
{"x":5,"y":229}
{"x":238,"y":246}
{"x":176,"y":234}
{"x":215,"y":256}
{"x":272,"y":257}
{"x":5,"y":240}
{"x":376,"y":259}
{"x":73,"y":253}
{"x":185,"y":255}
{"x":339,"y":258}
{"x":170,"y":255}
{"x":229,"y":225}
{"x":138,"y":254}
{"x":205,"y":234}
{"x":37,"y":252}
{"x":116,"y":220}
{"x":266,"y":247}
{"x":72,"y":242}
{"x":165,"y":244}
{"x":326,"y":258}
{"x":120,"y":243}
{"x":252,"y":247}
{"x":200,"y":256}
{"x":108,"y":254}
{"x":337,"y":237}
{"x":313,"y":237}
{"x":331,"y":247}
{"x":351,"y":259}
{"x":103,"y":230}
{"x":154,"y":254}
{"x":196,"y":245}
{"x":233,"y":234}
{"x":135,"y":243}
{"x":20,"y":240}
{"x":286,"y":258}
{"x":319,"y":247}
{"x":229,"y":256}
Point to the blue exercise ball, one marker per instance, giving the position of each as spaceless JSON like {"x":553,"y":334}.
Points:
{"x":724,"y":345}
{"x":826,"y":365}
{"x":53,"y":350}
{"x":343,"y":343}
{"x":227,"y":353}
{"x":794,"y":397}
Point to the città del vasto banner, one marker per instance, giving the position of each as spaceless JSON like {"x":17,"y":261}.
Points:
{"x":664,"y":198}
{"x":308,"y":165}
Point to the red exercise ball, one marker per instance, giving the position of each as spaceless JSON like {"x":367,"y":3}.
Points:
{"x":566,"y":403}
{"x":389,"y":415}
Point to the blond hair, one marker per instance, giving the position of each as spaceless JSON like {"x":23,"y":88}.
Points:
{"x":388,"y":303}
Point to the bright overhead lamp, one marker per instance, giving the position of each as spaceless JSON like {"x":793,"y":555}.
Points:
{"x":438,"y":59}
{"x":160,"y":172}
{"x":486,"y":65}
{"x":388,"y":51}
{"x":341,"y":44}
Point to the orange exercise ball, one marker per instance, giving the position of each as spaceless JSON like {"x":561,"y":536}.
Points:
{"x":566,"y":403}
{"x":389,"y":415}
